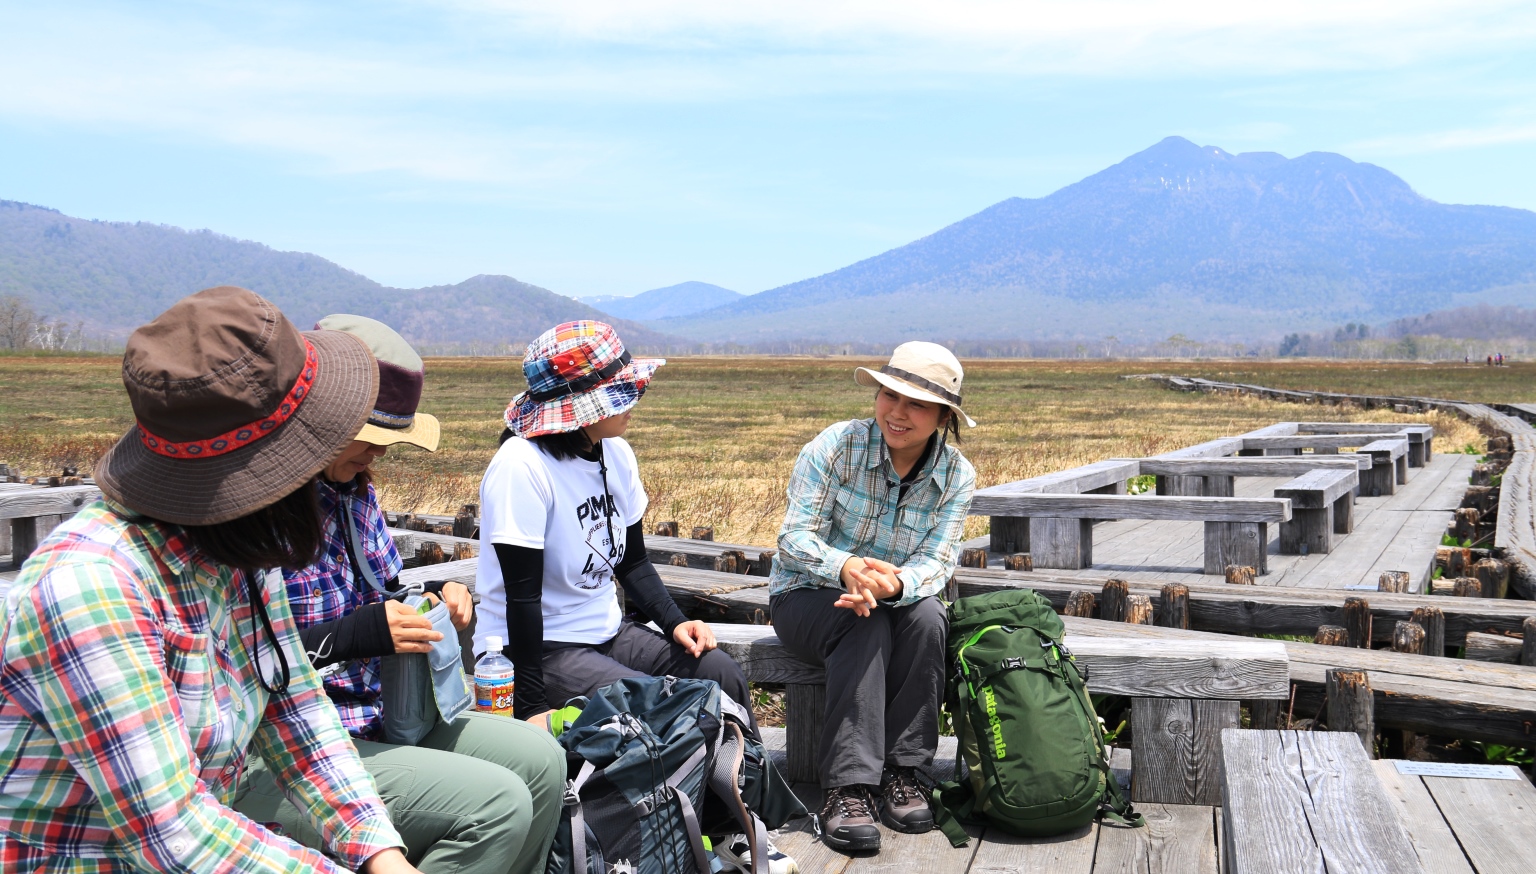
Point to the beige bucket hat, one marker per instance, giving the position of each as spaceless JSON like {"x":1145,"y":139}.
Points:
{"x":922,"y":371}
{"x":395,"y":417}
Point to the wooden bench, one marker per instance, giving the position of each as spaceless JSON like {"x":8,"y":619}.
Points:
{"x":1009,"y":535}
{"x":1196,"y":485}
{"x":1183,"y":695}
{"x":30,"y":512}
{"x":1318,"y":443}
{"x":1215,"y":477}
{"x":1060,"y":527}
{"x":1421,"y":438}
{"x":1389,"y":466}
{"x":1304,"y":802}
{"x":1322,"y":505}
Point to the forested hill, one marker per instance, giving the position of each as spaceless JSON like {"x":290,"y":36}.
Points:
{"x":1176,"y":238}
{"x":114,"y":276}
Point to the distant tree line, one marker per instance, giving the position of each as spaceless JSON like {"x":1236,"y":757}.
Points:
{"x":22,"y":328}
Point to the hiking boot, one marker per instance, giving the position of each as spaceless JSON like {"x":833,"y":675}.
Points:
{"x":736,"y":851}
{"x":848,"y":819}
{"x":904,"y":802}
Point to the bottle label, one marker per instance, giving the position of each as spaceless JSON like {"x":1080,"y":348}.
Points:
{"x":494,"y":695}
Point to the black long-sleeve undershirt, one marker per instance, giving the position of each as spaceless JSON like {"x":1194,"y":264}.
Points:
{"x":361,"y":634}
{"x":522,"y":574}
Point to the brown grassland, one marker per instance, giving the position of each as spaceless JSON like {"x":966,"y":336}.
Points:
{"x":716,"y":436}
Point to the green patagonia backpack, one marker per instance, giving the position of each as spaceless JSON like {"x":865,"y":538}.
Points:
{"x":1029,"y":737}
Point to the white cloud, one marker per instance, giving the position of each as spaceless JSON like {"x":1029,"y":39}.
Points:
{"x":1447,"y":140}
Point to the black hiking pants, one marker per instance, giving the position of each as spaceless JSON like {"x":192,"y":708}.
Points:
{"x":885,"y":678}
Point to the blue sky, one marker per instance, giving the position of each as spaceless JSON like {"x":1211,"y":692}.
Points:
{"x":611,"y":146}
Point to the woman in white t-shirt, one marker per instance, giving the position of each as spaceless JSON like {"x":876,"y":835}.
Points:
{"x":560,"y":524}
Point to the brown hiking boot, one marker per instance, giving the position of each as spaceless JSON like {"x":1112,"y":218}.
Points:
{"x":848,"y":819}
{"x":904,"y":802}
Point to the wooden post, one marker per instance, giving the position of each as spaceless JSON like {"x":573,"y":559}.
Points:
{"x":1009,"y":534}
{"x":678,"y":559}
{"x":1394,"y":581}
{"x":462,"y":551}
{"x":1467,"y":587}
{"x":1465,"y":526}
{"x":1079,"y":604}
{"x":1175,"y":612}
{"x":1432,"y":620}
{"x":1494,"y":575}
{"x":1239,"y":575}
{"x":976,"y":558}
{"x":1408,"y":637}
{"x":1457,"y":560}
{"x":1239,"y":543}
{"x":764,"y":566}
{"x":1528,"y":642}
{"x":1138,"y":610}
{"x":703,"y":532}
{"x":1264,"y":715}
{"x":430,"y":552}
{"x":1112,"y":602}
{"x":666,"y":529}
{"x":1344,"y":513}
{"x":1357,"y":621}
{"x":1331,"y":635}
{"x":725,"y":562}
{"x":1178,"y":749}
{"x":1061,"y":543}
{"x":1019,"y":561}
{"x":1482,"y":475}
{"x":465,"y":523}
{"x":1351,"y":706}
{"x":805,"y":709}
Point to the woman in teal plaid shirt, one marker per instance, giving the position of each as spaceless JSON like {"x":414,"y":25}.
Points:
{"x":870,"y":538}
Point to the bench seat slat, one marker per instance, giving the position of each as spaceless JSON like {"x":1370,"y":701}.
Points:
{"x":1133,"y":507}
{"x":1319,"y":488}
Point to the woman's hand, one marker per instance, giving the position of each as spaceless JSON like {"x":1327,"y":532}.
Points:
{"x":868,"y":580}
{"x":461,"y":605}
{"x":390,"y":861}
{"x":695,"y":636}
{"x":410,"y":631}
{"x":540,"y":719}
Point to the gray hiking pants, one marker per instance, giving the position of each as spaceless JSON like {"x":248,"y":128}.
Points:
{"x":885,"y":678}
{"x":572,"y":669}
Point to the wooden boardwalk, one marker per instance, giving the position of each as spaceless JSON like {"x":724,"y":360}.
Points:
{"x":1178,"y":839}
{"x":1393,"y":532}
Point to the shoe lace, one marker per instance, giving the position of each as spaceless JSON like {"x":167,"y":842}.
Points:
{"x":847,"y":801}
{"x":904,"y":786}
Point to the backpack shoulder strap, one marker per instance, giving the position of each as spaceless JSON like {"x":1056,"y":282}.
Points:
{"x":725,"y":782}
{"x":578,"y":820}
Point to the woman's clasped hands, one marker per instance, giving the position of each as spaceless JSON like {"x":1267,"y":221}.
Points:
{"x":868,"y":581}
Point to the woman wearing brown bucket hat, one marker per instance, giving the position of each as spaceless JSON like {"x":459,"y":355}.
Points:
{"x":478,"y":795}
{"x":870,"y":538}
{"x":146,"y":653}
{"x":561,"y":507}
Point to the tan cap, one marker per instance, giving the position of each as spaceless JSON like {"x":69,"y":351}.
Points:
{"x":922,"y":371}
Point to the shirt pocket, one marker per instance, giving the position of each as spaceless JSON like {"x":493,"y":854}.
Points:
{"x":853,"y":521}
{"x":190,"y":669}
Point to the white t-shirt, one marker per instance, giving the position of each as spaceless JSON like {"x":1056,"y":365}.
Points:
{"x":528,"y":498}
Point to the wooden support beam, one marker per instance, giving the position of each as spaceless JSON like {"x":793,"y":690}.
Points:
{"x":1009,"y":534}
{"x":1351,"y":707}
{"x":1239,"y":543}
{"x":1432,"y":620}
{"x":1357,"y":622}
{"x":1178,"y":749}
{"x":1063,"y":543}
{"x":1331,"y":635}
{"x":1482,"y":647}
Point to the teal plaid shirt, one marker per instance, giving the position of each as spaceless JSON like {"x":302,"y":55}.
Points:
{"x":843,"y":501}
{"x":128,"y":704}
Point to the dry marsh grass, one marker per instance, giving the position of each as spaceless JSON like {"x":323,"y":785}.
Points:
{"x":716,"y":436}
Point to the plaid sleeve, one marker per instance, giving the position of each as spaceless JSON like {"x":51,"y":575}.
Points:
{"x":928,"y":570}
{"x":85,"y":658}
{"x":311,"y":755}
{"x":812,"y":494}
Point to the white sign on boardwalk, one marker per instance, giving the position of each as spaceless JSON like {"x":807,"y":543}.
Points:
{"x":1447,"y":769}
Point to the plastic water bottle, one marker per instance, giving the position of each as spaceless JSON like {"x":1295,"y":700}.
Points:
{"x":495,"y":680}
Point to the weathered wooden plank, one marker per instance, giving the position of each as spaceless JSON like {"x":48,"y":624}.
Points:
{"x":1318,"y":488}
{"x":1295,"y":465}
{"x":1489,"y":819}
{"x":1356,"y":825}
{"x":1432,"y":837}
{"x":1218,"y":448}
{"x":62,"y":501}
{"x":1178,"y":749}
{"x":1178,"y":669}
{"x":1244,"y":544}
{"x":1264,"y":806}
{"x":1178,"y":839}
{"x":798,"y":839}
{"x":1076,"y":480}
{"x":1002,"y":853}
{"x":1321,"y":441}
{"x":1133,"y":507}
{"x":1056,"y":542}
{"x":1493,"y":647}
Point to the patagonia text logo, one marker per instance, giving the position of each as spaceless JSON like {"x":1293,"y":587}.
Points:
{"x":999,"y":748}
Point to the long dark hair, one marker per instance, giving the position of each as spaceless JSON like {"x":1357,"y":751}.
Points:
{"x":283,"y":534}
{"x":571,"y":444}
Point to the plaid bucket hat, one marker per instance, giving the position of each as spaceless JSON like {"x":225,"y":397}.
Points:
{"x":578,"y":373}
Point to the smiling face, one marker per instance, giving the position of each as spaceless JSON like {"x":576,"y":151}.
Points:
{"x":352,"y":461}
{"x":905,"y":423}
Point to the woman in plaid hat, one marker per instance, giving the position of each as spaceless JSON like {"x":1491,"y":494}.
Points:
{"x":479,"y":795}
{"x":561,"y":506}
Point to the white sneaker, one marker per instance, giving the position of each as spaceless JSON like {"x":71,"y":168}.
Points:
{"x":736,"y":851}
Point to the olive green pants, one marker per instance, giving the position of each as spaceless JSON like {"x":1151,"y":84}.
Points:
{"x":479,"y":796}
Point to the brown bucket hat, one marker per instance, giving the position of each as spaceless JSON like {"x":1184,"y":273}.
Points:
{"x":235,"y":408}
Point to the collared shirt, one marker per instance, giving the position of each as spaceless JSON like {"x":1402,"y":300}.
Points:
{"x":845,"y":500}
{"x":328,"y":589}
{"x":130,"y":699}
